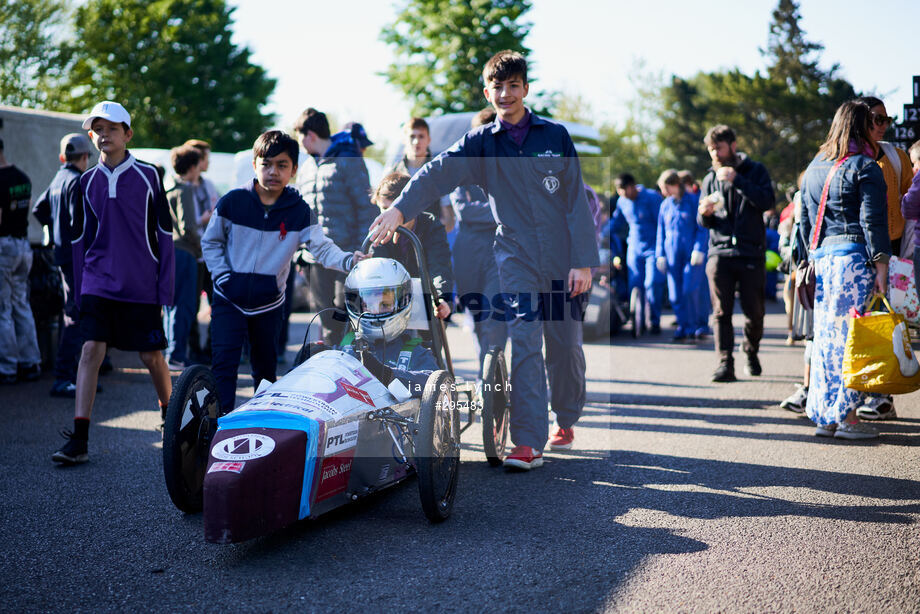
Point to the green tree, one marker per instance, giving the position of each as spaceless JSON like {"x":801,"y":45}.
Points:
{"x":173,"y":65}
{"x":441,"y":47}
{"x":780,"y":117}
{"x":805,"y":97}
{"x":34,"y":51}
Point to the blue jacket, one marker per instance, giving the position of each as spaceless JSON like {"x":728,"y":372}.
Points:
{"x":857,"y":205}
{"x":338,"y":191}
{"x":248,"y":250}
{"x":54,"y":209}
{"x":678,"y":232}
{"x":641,"y":215}
{"x":537,"y":193}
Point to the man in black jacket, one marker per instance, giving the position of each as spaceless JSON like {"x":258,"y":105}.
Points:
{"x":736,"y":191}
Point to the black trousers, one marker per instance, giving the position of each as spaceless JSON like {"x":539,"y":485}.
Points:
{"x":747,"y":276}
{"x":71,"y":340}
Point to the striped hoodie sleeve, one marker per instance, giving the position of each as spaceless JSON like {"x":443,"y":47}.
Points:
{"x":324,"y":250}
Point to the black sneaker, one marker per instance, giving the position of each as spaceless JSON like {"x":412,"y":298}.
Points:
{"x":73,"y":452}
{"x":8,"y":378}
{"x":752,"y":368}
{"x":655,"y":329}
{"x":724,"y":373}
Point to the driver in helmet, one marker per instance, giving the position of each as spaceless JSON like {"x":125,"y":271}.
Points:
{"x":378,"y":299}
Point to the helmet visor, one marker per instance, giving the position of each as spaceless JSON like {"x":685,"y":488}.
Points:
{"x":381,"y":301}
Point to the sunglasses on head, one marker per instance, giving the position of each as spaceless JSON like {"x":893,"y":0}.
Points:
{"x":881,"y":120}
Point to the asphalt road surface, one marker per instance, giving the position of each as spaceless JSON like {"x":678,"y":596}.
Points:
{"x":681,"y":496}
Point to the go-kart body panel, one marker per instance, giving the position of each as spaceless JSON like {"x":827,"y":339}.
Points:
{"x":300,"y":448}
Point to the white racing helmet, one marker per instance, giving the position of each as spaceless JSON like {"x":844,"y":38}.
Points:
{"x":378,"y":298}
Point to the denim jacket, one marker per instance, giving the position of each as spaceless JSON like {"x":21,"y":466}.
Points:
{"x":856,"y":210}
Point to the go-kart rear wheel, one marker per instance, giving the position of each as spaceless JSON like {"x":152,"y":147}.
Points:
{"x":496,"y":402}
{"x":191,"y":419}
{"x":437,"y":446}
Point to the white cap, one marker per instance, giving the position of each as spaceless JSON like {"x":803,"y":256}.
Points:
{"x":109,"y":110}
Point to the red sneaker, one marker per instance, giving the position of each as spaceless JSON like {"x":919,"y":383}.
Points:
{"x":562,"y":439}
{"x":524,"y":457}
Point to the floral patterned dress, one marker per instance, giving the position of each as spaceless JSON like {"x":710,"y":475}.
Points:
{"x":844,"y":280}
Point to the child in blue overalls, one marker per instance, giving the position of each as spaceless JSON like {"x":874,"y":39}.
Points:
{"x":680,"y":251}
{"x":637,"y":208}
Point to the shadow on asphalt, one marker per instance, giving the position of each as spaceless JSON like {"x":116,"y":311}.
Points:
{"x":527,"y":540}
{"x":900,"y":432}
{"x":651,"y":400}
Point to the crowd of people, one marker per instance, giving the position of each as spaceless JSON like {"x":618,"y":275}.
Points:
{"x":857,"y":205}
{"x":504,"y":212}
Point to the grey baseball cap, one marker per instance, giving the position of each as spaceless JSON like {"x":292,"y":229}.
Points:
{"x":75,"y":143}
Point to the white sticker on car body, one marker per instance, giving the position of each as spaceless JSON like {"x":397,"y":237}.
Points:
{"x":247,"y":446}
{"x":341,"y":437}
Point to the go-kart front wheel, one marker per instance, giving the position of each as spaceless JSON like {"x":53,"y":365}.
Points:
{"x":496,"y":400}
{"x":191,"y":419}
{"x":437,"y":446}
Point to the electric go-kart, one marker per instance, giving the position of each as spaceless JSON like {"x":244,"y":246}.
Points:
{"x":327,"y":433}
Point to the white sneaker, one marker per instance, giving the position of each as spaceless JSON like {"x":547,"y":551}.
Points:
{"x":796,"y":402}
{"x":877,"y":408}
{"x":825,"y":431}
{"x":855,"y":430}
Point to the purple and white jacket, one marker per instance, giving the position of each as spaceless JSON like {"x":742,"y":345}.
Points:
{"x":122,"y":235}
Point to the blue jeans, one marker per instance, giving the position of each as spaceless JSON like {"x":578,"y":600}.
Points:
{"x":18,"y":343}
{"x":179,"y":318}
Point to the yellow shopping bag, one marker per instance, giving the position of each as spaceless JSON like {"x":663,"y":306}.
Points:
{"x":878,"y":357}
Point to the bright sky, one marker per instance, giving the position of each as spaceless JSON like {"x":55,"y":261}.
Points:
{"x":327,"y":55}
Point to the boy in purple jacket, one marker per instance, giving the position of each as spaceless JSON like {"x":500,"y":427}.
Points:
{"x":123,"y":265}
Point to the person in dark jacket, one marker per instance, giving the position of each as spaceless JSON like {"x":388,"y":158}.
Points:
{"x":736,"y":191}
{"x":337,"y":189}
{"x":431,"y":235}
{"x":54,"y":209}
